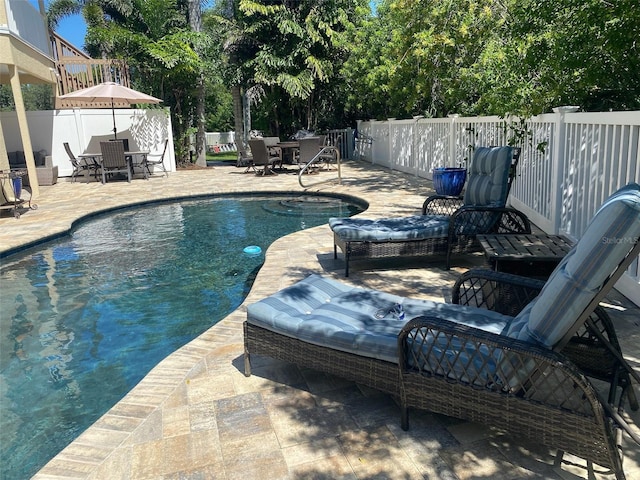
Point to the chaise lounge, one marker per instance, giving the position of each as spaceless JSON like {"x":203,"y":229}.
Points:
{"x":448,"y":224}
{"x":510,"y":355}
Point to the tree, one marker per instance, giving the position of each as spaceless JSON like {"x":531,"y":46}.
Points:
{"x":35,"y":97}
{"x":286,"y":53}
{"x":367,"y":69}
{"x":419,"y":57}
{"x":489,"y":57}
{"x":161,"y":48}
{"x":194,"y":14}
{"x":566,"y":52}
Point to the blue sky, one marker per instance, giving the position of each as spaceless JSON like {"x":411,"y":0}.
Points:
{"x":72,"y":29}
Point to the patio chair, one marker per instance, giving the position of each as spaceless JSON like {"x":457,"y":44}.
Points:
{"x":80,"y":166}
{"x":309,"y":148}
{"x":272,"y":146}
{"x":448,"y":224}
{"x":330,"y":154}
{"x":148,"y":165}
{"x":514,"y":371}
{"x":260,"y":157}
{"x":113,"y":160}
{"x":245,"y":159}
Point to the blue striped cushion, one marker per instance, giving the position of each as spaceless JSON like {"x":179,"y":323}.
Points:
{"x":417,"y":227}
{"x":488,"y":177}
{"x":579,"y":277}
{"x":328,"y":313}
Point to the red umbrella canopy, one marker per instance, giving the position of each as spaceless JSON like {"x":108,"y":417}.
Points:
{"x":111,"y":92}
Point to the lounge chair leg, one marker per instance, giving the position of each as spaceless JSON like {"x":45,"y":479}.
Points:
{"x":404,"y":418}
{"x":247,"y":364}
{"x":347,"y":256}
{"x":557,"y":462}
{"x":631,"y":396}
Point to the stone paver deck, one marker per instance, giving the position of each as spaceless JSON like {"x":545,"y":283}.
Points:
{"x":196,"y":416}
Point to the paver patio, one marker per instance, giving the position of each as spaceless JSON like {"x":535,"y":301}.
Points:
{"x":197,"y":416}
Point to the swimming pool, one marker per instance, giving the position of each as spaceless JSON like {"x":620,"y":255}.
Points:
{"x":85,"y":317}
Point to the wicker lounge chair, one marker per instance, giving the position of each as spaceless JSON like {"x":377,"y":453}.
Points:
{"x":488,"y":359}
{"x":448,"y":224}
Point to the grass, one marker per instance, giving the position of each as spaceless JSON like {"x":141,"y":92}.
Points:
{"x":222,"y":157}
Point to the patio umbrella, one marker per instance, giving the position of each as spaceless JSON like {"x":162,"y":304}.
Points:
{"x":111,"y":92}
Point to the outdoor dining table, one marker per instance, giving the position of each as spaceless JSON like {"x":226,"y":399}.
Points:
{"x":288,"y":150}
{"x":130,"y":155}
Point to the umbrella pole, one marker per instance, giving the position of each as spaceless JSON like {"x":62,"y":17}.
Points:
{"x":113,"y":114}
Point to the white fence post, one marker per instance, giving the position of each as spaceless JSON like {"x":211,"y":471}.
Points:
{"x":416,"y":146}
{"x":557,"y":173}
{"x":452,"y":139}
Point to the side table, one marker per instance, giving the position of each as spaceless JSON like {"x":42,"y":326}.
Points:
{"x":527,"y":255}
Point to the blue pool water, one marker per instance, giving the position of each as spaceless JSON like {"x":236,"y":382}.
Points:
{"x":85,"y":317}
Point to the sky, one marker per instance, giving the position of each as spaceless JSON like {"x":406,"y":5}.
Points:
{"x":72,"y":29}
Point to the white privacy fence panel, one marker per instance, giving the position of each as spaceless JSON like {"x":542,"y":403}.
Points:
{"x":475,"y":132}
{"x":380,"y":144}
{"x":402,"y":145}
{"x":433,"y":145}
{"x":601,"y":155}
{"x":570,"y":162}
{"x":533,"y":190}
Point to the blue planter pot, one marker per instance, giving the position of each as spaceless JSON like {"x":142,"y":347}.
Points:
{"x":17,"y":186}
{"x":449,"y":180}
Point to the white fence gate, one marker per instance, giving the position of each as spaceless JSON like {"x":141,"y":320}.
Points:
{"x":570,"y":163}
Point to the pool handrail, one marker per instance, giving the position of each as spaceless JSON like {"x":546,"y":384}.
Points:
{"x":323,"y":152}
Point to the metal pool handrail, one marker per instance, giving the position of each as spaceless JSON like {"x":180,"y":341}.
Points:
{"x":315,"y":159}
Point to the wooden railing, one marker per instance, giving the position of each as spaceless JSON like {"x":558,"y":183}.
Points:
{"x":77,"y":70}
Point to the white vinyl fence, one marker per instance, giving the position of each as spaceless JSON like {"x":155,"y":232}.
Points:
{"x":571,"y":161}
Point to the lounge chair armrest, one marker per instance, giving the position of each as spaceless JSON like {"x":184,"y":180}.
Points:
{"x":474,"y":220}
{"x":501,"y":292}
{"x":594,"y":348}
{"x":441,"y":205}
{"x":462,"y":354}
{"x":512,"y":221}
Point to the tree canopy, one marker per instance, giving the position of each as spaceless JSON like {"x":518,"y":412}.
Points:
{"x":319,"y":64}
{"x":484,"y":57}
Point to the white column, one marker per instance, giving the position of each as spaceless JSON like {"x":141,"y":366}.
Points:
{"x":24,"y":131}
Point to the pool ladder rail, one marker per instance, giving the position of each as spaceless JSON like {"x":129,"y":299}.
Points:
{"x":321,"y":156}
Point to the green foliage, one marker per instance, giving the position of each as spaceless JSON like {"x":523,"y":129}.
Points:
{"x":287,"y":51}
{"x":317,"y":65}
{"x":487,"y":57}
{"x":35,"y":97}
{"x":219,"y":114}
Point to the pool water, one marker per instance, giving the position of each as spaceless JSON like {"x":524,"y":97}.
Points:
{"x":85,"y":317}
